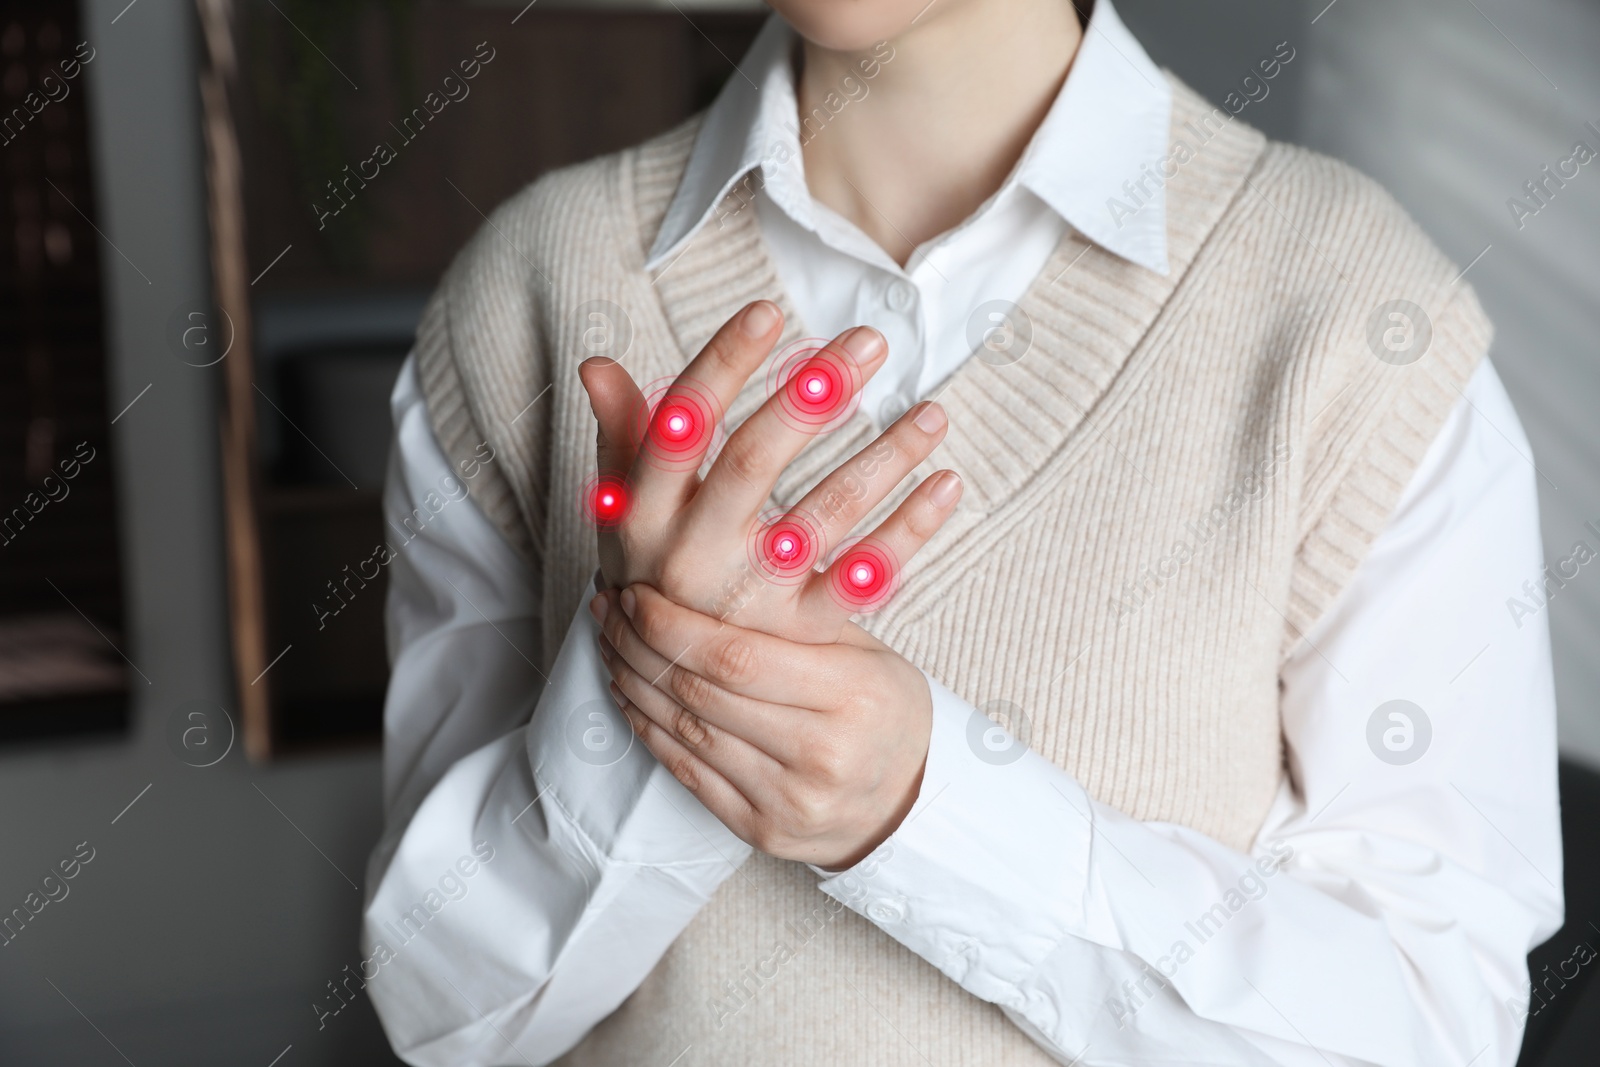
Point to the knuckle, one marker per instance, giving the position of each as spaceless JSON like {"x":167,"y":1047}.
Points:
{"x":636,"y":722}
{"x":733,"y":663}
{"x":808,"y":808}
{"x":614,"y":627}
{"x":854,"y":705}
{"x":675,"y":580}
{"x":838,"y":509}
{"x":828,"y":761}
{"x":921,"y":522}
{"x":687,"y":772}
{"x":632,"y":538}
{"x":764,"y":836}
{"x":690,"y":729}
{"x":649,"y":622}
{"x":725,"y":348}
{"x":692,"y":691}
{"x":746,"y":457}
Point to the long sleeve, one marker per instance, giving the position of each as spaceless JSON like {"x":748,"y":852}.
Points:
{"x":1410,"y":861}
{"x":536,"y":860}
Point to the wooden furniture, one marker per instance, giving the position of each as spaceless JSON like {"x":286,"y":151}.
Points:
{"x":328,"y":317}
{"x":61,"y":670}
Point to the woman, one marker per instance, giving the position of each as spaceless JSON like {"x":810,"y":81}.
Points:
{"x":1181,"y":461}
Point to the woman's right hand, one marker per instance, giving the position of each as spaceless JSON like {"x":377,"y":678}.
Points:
{"x":691,"y":538}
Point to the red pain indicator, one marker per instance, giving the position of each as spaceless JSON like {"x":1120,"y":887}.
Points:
{"x":784,"y":546}
{"x":864,"y":576}
{"x":606,"y":499}
{"x":677,"y":424}
{"x":817,"y":385}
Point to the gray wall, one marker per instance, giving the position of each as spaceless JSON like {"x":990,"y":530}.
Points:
{"x":1453,"y":113}
{"x":206,"y":924}
{"x":1452,"y":106}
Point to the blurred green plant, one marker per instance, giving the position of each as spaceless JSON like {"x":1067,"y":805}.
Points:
{"x":301,"y":54}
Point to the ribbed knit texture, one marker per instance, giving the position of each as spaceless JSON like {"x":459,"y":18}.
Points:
{"x":1234,"y":405}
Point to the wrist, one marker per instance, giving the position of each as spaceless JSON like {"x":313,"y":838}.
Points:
{"x":886,"y":830}
{"x":920,"y":739}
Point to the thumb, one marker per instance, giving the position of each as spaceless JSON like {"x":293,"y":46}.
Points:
{"x":618,"y":406}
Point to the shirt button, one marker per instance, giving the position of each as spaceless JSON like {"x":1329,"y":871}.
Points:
{"x":962,"y":955}
{"x":887,"y":910}
{"x":901,"y":296}
{"x":892,"y":407}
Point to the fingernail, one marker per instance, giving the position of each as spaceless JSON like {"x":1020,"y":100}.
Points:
{"x":931,"y":418}
{"x":606,"y":649}
{"x":616,"y":694}
{"x":864,"y":343}
{"x":598,"y":608}
{"x":629,"y":602}
{"x":760,"y":319}
{"x":946,"y":489}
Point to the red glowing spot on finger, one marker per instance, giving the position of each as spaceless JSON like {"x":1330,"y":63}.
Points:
{"x":785,"y":547}
{"x":677,"y":424}
{"x":818,"y":388}
{"x":815,"y":385}
{"x":606,"y":500}
{"x":863,"y":578}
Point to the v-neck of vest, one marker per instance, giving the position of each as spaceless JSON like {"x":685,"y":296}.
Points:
{"x":1087,"y":311}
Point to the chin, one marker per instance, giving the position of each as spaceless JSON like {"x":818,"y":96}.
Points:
{"x":849,"y":25}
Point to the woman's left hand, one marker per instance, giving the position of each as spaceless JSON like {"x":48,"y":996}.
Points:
{"x":808,"y":752}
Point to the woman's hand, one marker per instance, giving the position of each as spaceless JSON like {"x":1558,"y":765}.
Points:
{"x":691,"y":539}
{"x":808,"y":752}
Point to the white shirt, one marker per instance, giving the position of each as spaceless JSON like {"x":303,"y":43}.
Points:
{"x":1116,"y":100}
{"x":1395,"y":933}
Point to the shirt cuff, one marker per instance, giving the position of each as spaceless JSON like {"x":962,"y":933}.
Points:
{"x":986,"y":875}
{"x":602,"y":793}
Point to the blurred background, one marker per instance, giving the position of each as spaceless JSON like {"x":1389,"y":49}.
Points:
{"x":201,"y":316}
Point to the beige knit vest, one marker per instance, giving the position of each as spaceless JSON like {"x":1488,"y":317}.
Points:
{"x":1173,"y":482}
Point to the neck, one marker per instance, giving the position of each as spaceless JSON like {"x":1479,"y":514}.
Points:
{"x":944,"y":121}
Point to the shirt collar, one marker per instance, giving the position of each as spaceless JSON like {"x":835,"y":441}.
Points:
{"x":1108,"y":127}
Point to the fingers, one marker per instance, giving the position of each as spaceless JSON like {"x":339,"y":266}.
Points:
{"x":673,"y":443}
{"x":841,"y":499}
{"x":616,"y":401}
{"x":713,"y":790}
{"x":746,"y":767}
{"x":742,"y":662}
{"x":864,"y":576}
{"x":770,"y":728}
{"x":739,"y":483}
